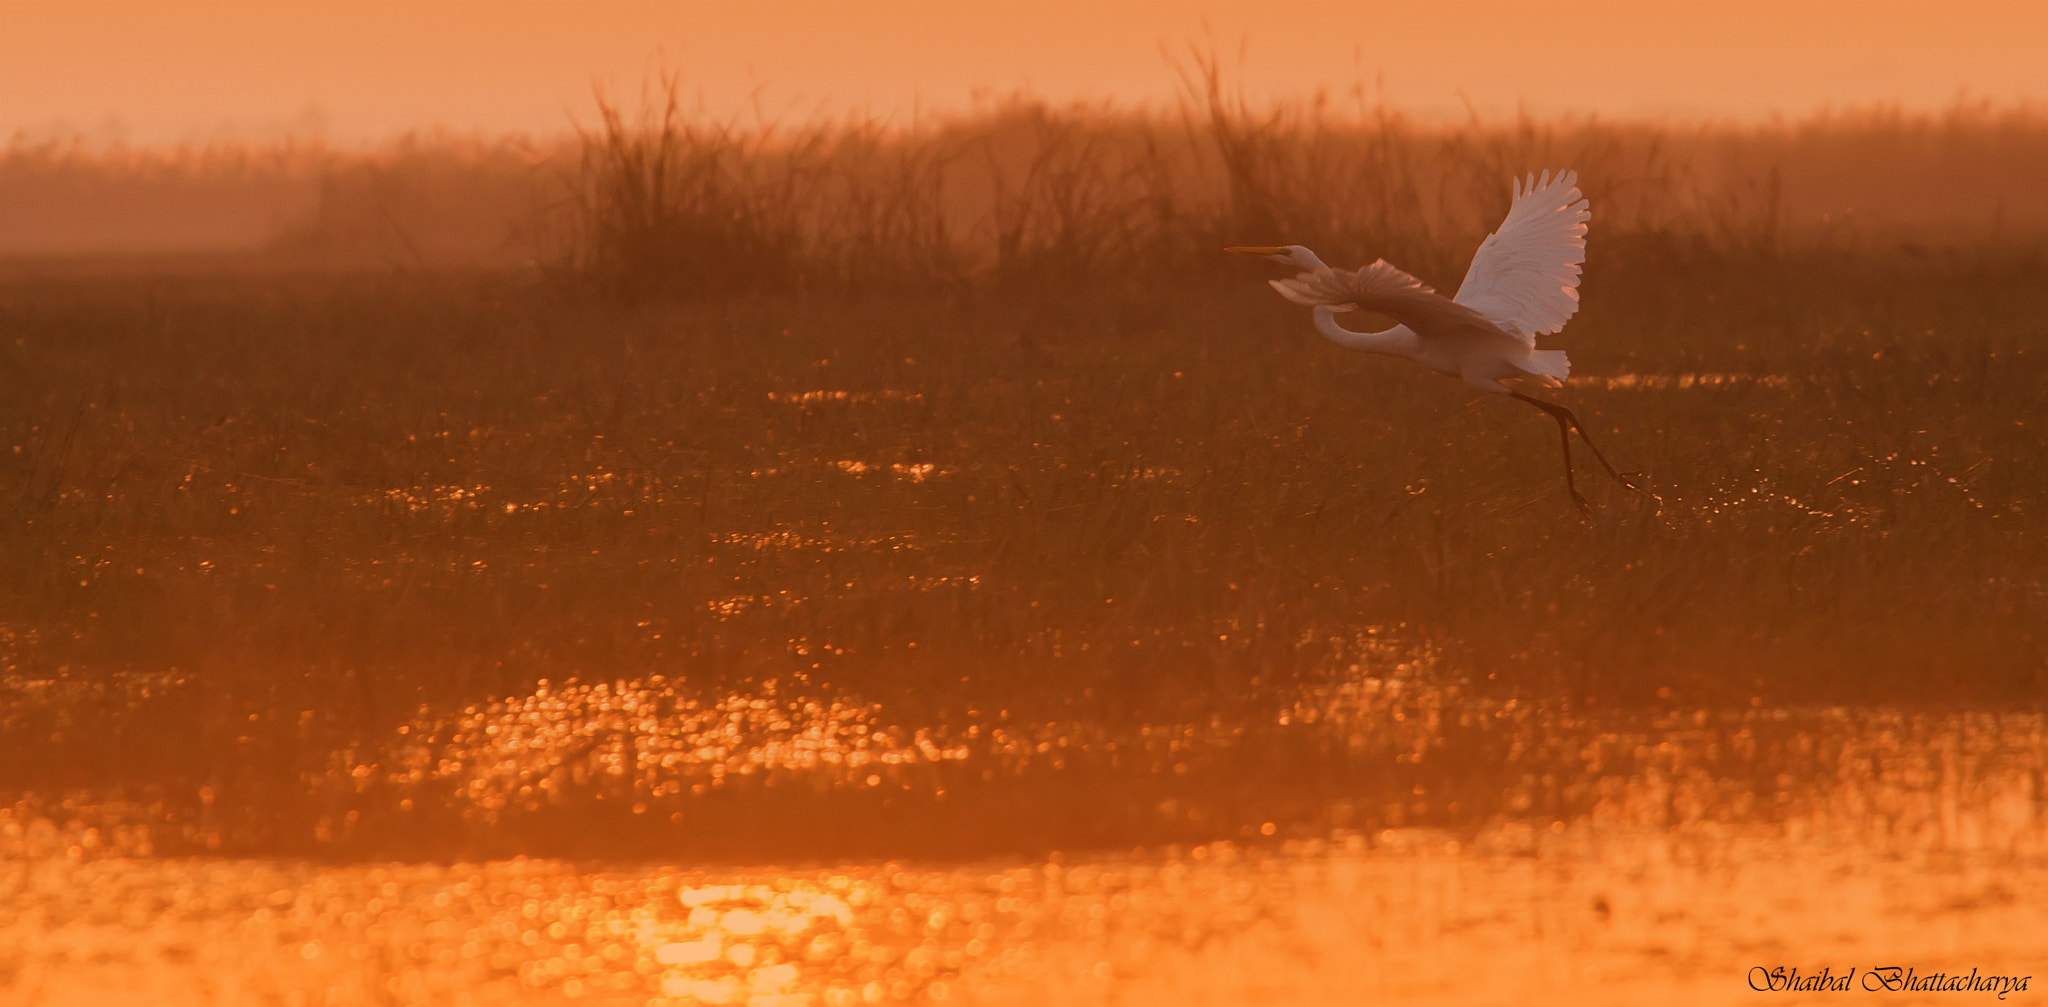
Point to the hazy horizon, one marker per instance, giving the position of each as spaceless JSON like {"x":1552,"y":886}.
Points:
{"x":112,"y":71}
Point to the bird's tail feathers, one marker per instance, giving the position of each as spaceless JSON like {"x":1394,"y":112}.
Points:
{"x":1552,"y":364}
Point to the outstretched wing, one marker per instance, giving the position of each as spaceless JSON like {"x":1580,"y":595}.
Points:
{"x":1525,"y":275}
{"x":1387,"y":290}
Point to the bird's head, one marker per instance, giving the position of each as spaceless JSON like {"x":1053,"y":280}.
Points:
{"x":1297,"y":256}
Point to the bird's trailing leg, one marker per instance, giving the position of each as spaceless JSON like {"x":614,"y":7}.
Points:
{"x":1566,"y":423}
{"x":1564,"y":440}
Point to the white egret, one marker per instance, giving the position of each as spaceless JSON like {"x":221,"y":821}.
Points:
{"x":1523,"y":283}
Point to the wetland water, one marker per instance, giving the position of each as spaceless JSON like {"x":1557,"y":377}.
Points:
{"x":1681,"y":850}
{"x":390,"y":645}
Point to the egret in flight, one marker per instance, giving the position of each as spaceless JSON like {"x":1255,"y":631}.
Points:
{"x":1523,"y":283}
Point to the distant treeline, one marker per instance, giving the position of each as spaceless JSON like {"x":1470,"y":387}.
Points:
{"x":655,"y":200}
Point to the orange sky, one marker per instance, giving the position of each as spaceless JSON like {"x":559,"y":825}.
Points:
{"x":151,"y":71}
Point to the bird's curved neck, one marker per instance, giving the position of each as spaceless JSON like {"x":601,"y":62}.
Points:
{"x":1399,"y":340}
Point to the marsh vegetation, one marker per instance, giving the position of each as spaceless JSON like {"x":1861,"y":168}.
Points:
{"x":951,"y":488}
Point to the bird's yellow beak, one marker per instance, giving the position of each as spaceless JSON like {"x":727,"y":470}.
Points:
{"x":1257,"y":249}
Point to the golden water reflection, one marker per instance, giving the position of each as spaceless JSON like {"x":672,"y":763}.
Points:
{"x":1662,"y":382}
{"x":1505,"y":852}
{"x":1589,"y":914}
{"x":638,"y":742}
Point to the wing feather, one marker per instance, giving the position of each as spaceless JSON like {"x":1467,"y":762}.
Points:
{"x":1387,"y":290}
{"x":1525,"y":276}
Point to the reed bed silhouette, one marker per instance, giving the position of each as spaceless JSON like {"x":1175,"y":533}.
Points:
{"x":976,"y":427}
{"x":1016,"y":187}
{"x":1029,"y":196}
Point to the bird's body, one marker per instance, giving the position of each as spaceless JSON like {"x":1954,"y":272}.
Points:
{"x":1523,"y":283}
{"x":1480,"y":354}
